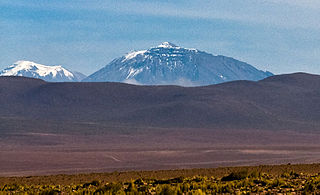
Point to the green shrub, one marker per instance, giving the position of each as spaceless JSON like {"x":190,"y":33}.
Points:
{"x":235,"y":176}
{"x":167,"y":190}
{"x":93,"y":183}
{"x":111,"y":187}
{"x":309,"y":187}
{"x":50,"y":192}
{"x":169,"y":181}
{"x":132,"y":189}
{"x":278,"y":182}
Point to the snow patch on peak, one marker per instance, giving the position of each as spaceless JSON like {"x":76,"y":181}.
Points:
{"x":173,"y":46}
{"x":133,"y":72}
{"x":167,"y":45}
{"x":134,"y":54}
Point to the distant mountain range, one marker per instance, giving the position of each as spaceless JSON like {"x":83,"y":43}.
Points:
{"x":166,"y":64}
{"x":47,"y":73}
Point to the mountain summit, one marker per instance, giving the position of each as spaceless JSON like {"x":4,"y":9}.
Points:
{"x":47,"y":73}
{"x":169,"y":64}
{"x":167,"y":45}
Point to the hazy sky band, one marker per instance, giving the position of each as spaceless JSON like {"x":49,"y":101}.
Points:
{"x":280,"y":36}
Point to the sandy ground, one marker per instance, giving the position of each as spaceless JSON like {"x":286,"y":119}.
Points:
{"x":37,"y":153}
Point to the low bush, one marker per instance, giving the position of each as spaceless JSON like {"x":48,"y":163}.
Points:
{"x":235,"y":176}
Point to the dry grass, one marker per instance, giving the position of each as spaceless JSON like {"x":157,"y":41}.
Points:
{"x":284,"y":179}
{"x":274,"y":170}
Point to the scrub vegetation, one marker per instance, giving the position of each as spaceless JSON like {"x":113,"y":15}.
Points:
{"x":235,"y":180}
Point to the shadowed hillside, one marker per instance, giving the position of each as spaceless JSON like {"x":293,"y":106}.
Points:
{"x":280,"y":102}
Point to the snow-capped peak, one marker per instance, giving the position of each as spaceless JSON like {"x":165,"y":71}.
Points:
{"x":169,"y":64}
{"x":42,"y":70}
{"x":167,"y":45}
{"x":34,"y":70}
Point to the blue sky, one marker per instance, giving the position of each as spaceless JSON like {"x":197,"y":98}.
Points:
{"x":281,"y":36}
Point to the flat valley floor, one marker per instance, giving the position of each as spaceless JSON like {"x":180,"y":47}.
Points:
{"x":37,"y":153}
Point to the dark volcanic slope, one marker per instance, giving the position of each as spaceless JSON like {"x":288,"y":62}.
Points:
{"x":286,"y":102}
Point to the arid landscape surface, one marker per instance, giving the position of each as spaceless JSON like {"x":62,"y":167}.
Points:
{"x":53,"y":128}
{"x":263,"y":179}
{"x":47,"y":153}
